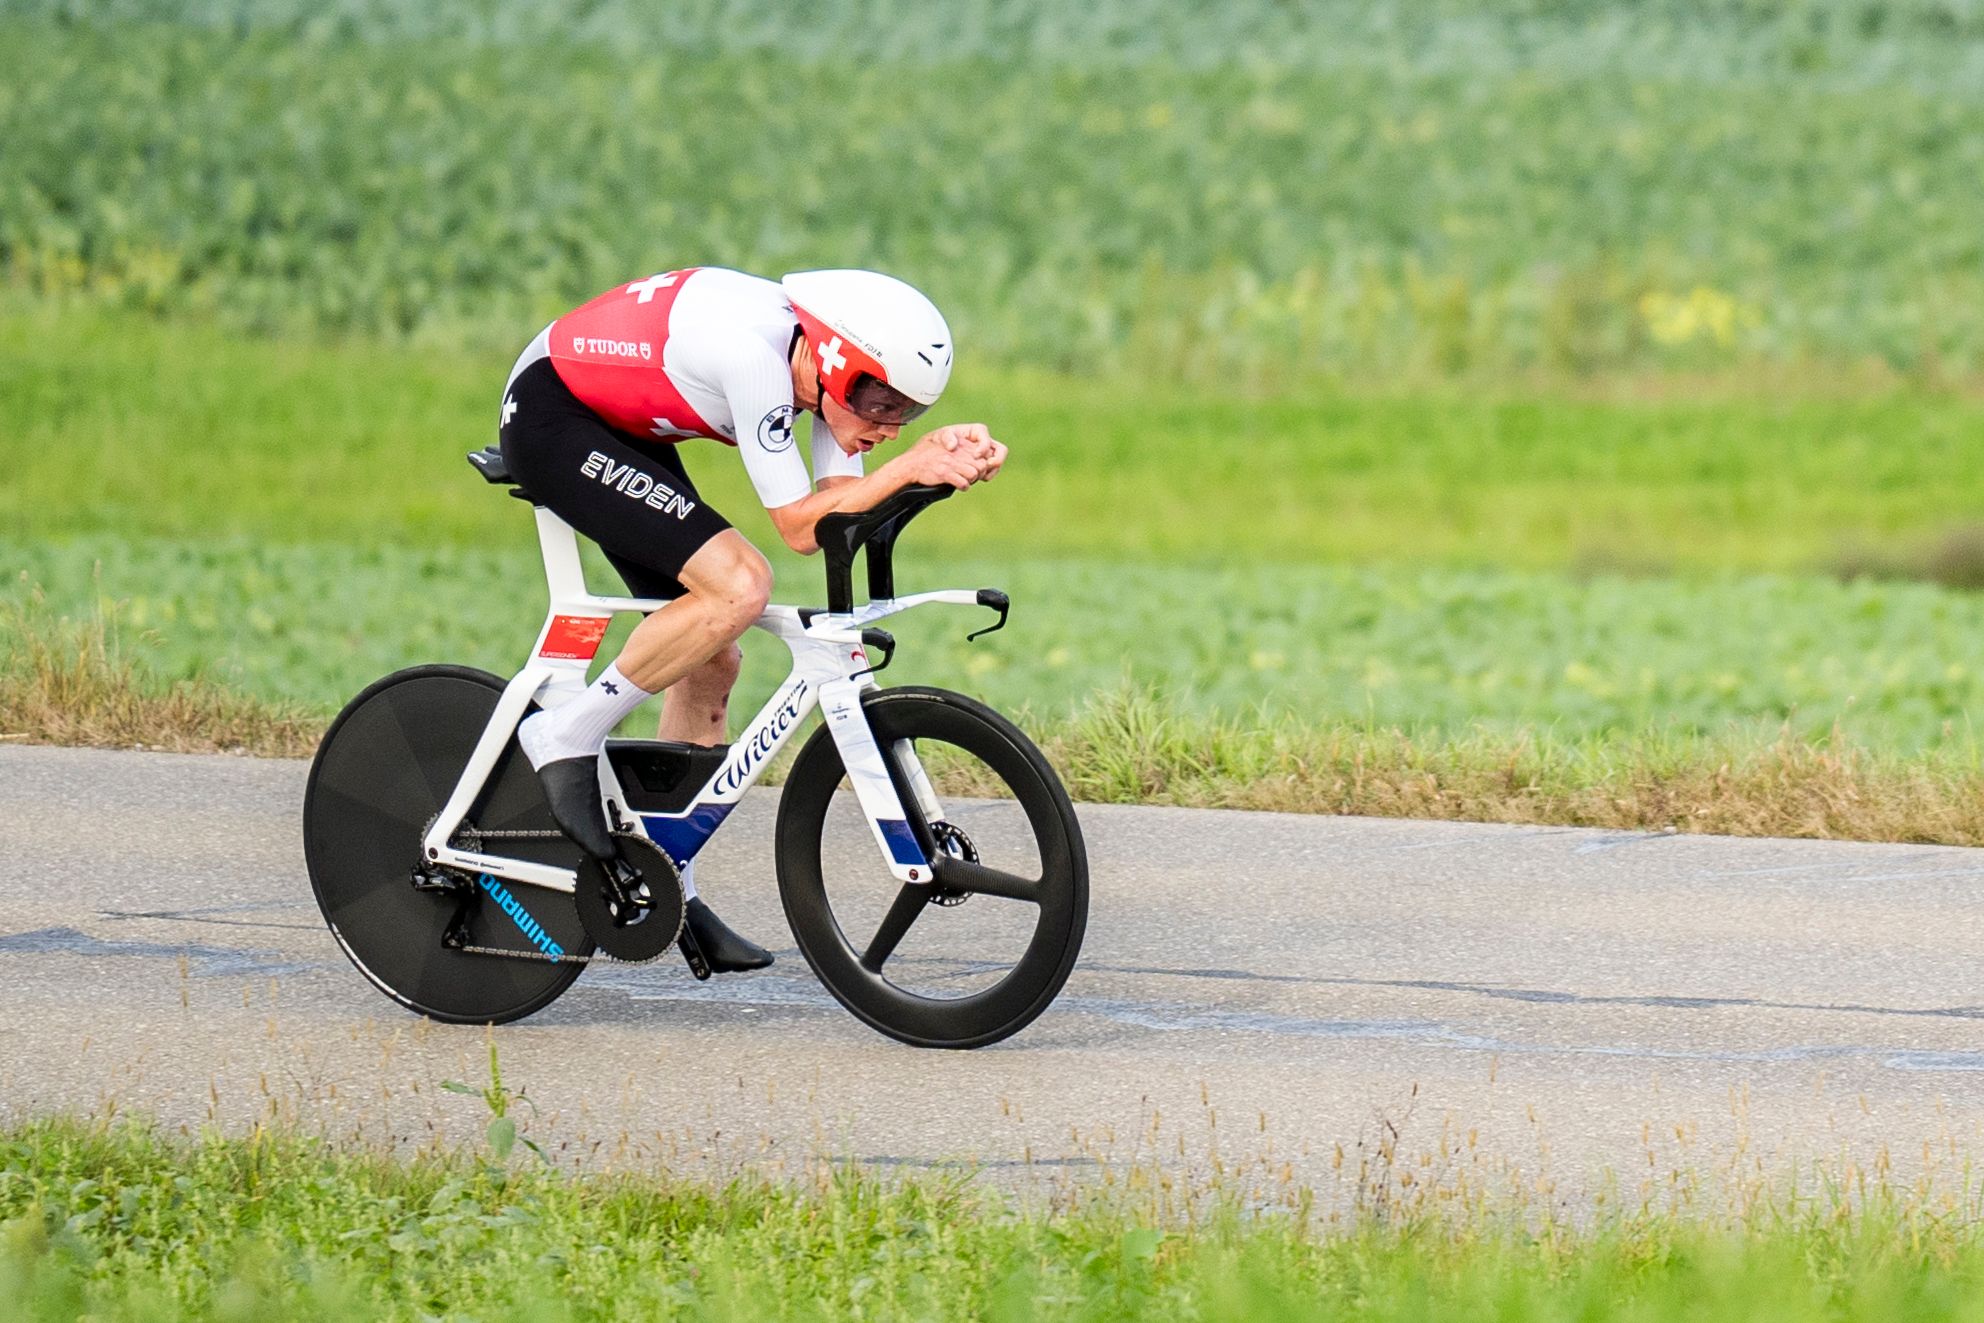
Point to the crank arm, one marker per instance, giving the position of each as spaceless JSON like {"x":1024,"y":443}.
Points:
{"x":692,"y":954}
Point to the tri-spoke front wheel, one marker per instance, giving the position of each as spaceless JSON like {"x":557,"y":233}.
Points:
{"x":974,"y":955}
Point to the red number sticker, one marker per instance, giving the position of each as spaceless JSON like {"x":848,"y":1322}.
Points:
{"x":573,"y":638}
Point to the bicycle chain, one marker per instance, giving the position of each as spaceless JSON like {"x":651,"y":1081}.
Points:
{"x":469,"y":949}
{"x":471,"y":838}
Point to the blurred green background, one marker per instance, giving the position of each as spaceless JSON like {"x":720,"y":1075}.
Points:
{"x":1563,"y":366}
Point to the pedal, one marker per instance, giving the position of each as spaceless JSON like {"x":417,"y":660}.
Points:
{"x":692,"y":952}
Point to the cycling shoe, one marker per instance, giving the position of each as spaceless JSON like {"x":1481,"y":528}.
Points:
{"x":724,"y":951}
{"x":571,"y":788}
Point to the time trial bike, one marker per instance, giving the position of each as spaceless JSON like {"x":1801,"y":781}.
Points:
{"x":437,"y":866}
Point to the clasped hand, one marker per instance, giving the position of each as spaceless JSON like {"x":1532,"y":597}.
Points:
{"x":958,"y":455}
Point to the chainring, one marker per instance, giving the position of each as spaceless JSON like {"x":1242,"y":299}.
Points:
{"x":661,"y":923}
{"x":953,"y":842}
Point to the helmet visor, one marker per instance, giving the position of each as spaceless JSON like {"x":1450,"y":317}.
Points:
{"x":876,"y":401}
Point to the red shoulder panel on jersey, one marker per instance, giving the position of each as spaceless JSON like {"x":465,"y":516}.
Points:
{"x":608,"y":352}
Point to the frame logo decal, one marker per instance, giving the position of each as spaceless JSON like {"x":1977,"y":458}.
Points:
{"x":737,"y":773}
{"x":521,"y":917}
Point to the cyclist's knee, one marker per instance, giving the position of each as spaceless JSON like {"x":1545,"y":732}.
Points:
{"x":748,"y":591}
{"x":733,"y":578}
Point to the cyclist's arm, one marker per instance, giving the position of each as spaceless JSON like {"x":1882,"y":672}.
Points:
{"x":937,"y":459}
{"x":757,"y":385}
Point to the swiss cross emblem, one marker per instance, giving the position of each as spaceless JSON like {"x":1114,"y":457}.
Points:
{"x":831,"y":358}
{"x":646,"y":288}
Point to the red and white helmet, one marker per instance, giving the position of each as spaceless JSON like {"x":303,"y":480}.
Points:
{"x":883,"y":350}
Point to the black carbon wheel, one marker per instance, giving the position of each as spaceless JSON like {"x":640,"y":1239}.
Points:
{"x":909,"y":959}
{"x":387,"y":764}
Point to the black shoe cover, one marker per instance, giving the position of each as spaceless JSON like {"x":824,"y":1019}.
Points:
{"x":724,"y":950}
{"x":571,"y":788}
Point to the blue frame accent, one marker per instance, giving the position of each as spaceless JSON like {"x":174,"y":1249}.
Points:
{"x":902,"y":842}
{"x":682,"y":837}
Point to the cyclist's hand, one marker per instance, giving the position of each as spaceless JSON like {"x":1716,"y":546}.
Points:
{"x":940,"y":458}
{"x":973,"y":442}
{"x":983,"y":446}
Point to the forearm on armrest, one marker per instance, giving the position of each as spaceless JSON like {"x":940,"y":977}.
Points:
{"x":795,"y":522}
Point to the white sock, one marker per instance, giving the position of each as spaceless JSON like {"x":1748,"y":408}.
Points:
{"x":579,"y":729}
{"x":689,"y":881}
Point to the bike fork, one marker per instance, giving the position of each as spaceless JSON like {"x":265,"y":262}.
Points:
{"x":898,"y":841}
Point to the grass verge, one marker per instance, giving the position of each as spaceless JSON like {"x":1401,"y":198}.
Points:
{"x":1127,"y":748}
{"x":65,"y":681}
{"x":75,"y":682}
{"x":122,"y":1222}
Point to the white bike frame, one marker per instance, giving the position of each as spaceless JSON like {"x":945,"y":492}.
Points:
{"x":830,"y":669}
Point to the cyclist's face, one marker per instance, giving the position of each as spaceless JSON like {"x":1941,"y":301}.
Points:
{"x":852,"y":433}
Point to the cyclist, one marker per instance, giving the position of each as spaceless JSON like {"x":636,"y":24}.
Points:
{"x":592,"y":416}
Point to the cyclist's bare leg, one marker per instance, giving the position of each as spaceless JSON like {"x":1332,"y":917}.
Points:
{"x":694,"y":711}
{"x":729,"y":583}
{"x":688,"y":648}
{"x":726,"y":584}
{"x":696,"y":708}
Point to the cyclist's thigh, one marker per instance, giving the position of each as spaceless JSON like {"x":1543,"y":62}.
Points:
{"x":635,"y":501}
{"x":645,"y":580}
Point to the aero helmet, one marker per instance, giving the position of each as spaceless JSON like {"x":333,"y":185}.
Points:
{"x":882,"y":348}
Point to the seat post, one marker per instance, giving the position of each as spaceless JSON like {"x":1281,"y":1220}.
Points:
{"x":563,"y":573}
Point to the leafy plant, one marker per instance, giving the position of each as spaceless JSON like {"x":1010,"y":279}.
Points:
{"x":501,"y":1135}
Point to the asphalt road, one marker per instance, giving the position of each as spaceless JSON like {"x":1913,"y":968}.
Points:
{"x":1264,"y":1000}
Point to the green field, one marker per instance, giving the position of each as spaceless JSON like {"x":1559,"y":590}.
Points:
{"x":234,"y":503}
{"x":1439,"y":651}
{"x":119,"y":423}
{"x":126,"y":1224}
{"x":1264,"y":190}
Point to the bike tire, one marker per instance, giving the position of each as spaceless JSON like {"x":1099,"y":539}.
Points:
{"x":991,"y":1014}
{"x":385,"y":767}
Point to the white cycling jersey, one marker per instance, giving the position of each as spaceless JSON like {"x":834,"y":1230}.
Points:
{"x":701,"y":352}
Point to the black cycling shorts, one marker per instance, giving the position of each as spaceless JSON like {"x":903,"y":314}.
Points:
{"x":628,"y":494}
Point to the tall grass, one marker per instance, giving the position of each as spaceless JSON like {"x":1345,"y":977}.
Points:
{"x":70,"y":681}
{"x":1133,"y":746}
{"x":1442,"y":652}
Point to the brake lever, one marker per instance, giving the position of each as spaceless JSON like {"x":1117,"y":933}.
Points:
{"x":999,"y":602}
{"x":877,"y":640}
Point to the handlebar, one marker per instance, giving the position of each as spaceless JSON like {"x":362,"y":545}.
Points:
{"x":842,"y":534}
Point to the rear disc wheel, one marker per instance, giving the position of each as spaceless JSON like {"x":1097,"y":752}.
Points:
{"x":385,"y":768}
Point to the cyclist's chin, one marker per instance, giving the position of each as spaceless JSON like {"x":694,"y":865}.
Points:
{"x":848,"y":434}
